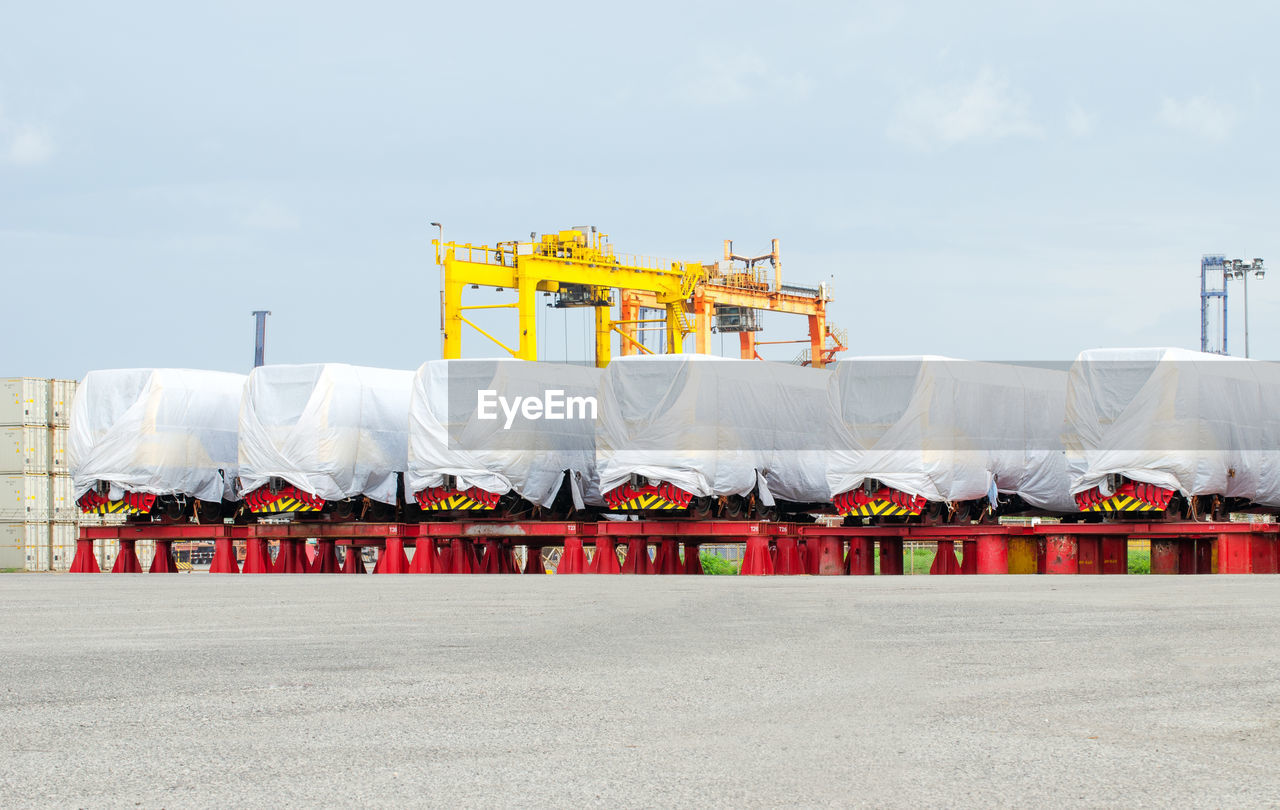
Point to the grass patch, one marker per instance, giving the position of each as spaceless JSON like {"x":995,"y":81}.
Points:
{"x":718,"y":566}
{"x":914,"y":560}
{"x":12,"y":570}
{"x":1139,"y":562}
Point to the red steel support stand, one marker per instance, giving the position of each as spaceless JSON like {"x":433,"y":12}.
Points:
{"x":85,"y":561}
{"x":573,"y":560}
{"x":969,"y":557}
{"x":461,"y":557}
{"x":224,"y":556}
{"x":162,"y":561}
{"x":991,"y":554}
{"x":787,"y":563}
{"x":891,"y":556}
{"x":533,"y":560}
{"x":326,"y":559}
{"x":862,"y":557}
{"x":692,"y":558}
{"x":1062,"y":554}
{"x":257,"y":558}
{"x":127,"y":558}
{"x":290,"y":558}
{"x":1114,"y":549}
{"x":392,"y":559}
{"x":1164,"y":556}
{"x":352,"y":561}
{"x":828,"y":549}
{"x":805,"y":557}
{"x":667,"y":560}
{"x":605,"y":560}
{"x":509,"y":559}
{"x":637,"y":559}
{"x":1246,"y":553}
{"x":1088,"y":554}
{"x":490,"y":559}
{"x":444,"y":553}
{"x":426,"y":560}
{"x":756,"y":560}
{"x":944,"y":561}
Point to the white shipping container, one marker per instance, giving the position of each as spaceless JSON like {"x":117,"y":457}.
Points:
{"x":24,"y":401}
{"x":21,"y":542}
{"x":65,"y":536}
{"x":62,"y":505}
{"x":58,"y":462}
{"x":61,"y":394}
{"x":24,"y":498}
{"x":24,"y":449}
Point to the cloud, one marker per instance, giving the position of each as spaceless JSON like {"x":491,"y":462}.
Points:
{"x":1199,"y":116}
{"x":1080,"y":121}
{"x":985,"y":109}
{"x":738,"y":78}
{"x":23,"y":145}
{"x":270,"y":216}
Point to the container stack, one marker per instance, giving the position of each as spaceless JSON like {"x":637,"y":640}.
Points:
{"x":38,"y":514}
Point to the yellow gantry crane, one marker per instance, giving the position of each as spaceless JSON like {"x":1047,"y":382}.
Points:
{"x":579,"y":266}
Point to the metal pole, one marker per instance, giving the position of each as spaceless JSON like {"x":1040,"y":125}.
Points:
{"x":1246,"y":312}
{"x":260,"y":337}
{"x":440,"y":265}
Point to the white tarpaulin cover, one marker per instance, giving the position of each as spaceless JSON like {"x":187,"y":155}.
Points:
{"x":714,"y":426}
{"x":448,"y":436}
{"x":950,"y":430}
{"x":160,"y":431}
{"x":329,"y":429}
{"x":1202,"y":424}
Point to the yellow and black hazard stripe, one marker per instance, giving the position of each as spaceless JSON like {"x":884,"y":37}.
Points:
{"x":647,"y":501}
{"x":879,"y":509}
{"x":1122,"y":503}
{"x":458,"y":501}
{"x":112,"y":508}
{"x":280,"y":505}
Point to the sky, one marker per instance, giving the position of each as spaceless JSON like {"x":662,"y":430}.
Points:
{"x":985,"y":180}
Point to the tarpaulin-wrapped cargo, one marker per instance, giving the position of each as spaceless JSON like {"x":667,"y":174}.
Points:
{"x":715,"y":426}
{"x":504,"y":425}
{"x":332,"y":430}
{"x":1198,"y":424}
{"x":157,"y":431}
{"x":950,"y":430}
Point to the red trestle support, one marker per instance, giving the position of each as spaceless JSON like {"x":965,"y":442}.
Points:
{"x":573,"y":560}
{"x":224,"y":557}
{"x":326,"y":559}
{"x":127,"y":558}
{"x":509,"y":559}
{"x":392,"y":559}
{"x":290,"y":557}
{"x":829,"y":551}
{"x":1061,"y":554}
{"x":803,"y":546}
{"x":1246,"y":553}
{"x":1088,"y":554}
{"x":490,"y":558}
{"x":605,"y":560}
{"x":85,"y":561}
{"x":637,"y":559}
{"x":162,"y":560}
{"x":692,"y":558}
{"x":862,"y":557}
{"x":533,"y":563}
{"x":1114,"y":551}
{"x":891,"y":562}
{"x":352,"y":561}
{"x":667,"y":559}
{"x":444,"y":552}
{"x":944,"y":560}
{"x":991,"y":554}
{"x":426,"y":560}
{"x":1164,"y":556}
{"x":969,"y":557}
{"x":1204,"y":554}
{"x":462,"y":557}
{"x":787,"y":561}
{"x":257,"y":557}
{"x":756,"y":560}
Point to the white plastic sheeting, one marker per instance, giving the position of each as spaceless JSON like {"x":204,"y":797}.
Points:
{"x":329,"y":429}
{"x":714,"y":426}
{"x":1201,"y":424}
{"x":950,"y":430}
{"x":160,"y":431}
{"x":449,"y":437}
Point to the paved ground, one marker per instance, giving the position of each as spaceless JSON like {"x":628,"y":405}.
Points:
{"x":615,"y":691}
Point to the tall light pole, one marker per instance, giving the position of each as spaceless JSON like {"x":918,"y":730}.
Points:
{"x":260,"y":337}
{"x":440,"y":264}
{"x":1242,"y":269}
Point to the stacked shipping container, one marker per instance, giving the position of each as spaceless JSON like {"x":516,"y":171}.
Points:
{"x":38,"y":515}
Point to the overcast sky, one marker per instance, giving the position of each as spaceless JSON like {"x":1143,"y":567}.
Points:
{"x":987,"y":180}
